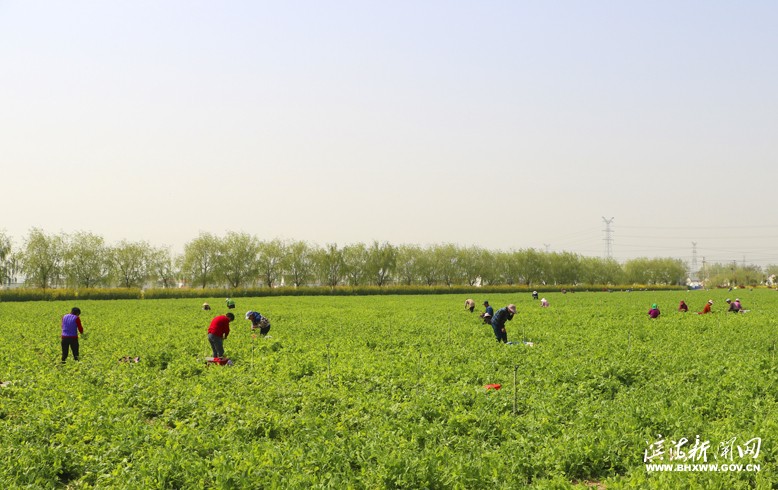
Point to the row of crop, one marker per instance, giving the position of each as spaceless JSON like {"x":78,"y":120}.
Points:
{"x":24,"y":294}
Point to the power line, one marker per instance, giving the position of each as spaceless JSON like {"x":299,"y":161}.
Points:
{"x":727,"y":227}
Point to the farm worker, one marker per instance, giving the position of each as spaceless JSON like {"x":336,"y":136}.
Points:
{"x":654,"y":311}
{"x":218,"y":331}
{"x":487,"y":315}
{"x":71,"y":327}
{"x":707,"y":308}
{"x":544,"y":302}
{"x":206,"y":307}
{"x":230,"y":304}
{"x":683,"y":307}
{"x":734,"y":306}
{"x":258,"y":322}
{"x":534,"y":295}
{"x":498,"y":322}
{"x":740,"y":308}
{"x":469,"y":305}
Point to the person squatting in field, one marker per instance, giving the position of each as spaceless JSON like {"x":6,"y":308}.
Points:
{"x":683,"y":307}
{"x":258,"y":322}
{"x":707,"y":308}
{"x":654,"y":311}
{"x":735,"y":306}
{"x":469,"y":305}
{"x":218,"y":331}
{"x":487,"y":315}
{"x":498,"y":322}
{"x":71,"y":327}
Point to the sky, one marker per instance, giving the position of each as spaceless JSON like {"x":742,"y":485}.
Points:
{"x":499,"y":124}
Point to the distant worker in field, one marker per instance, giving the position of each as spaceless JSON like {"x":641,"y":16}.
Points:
{"x":543,"y":303}
{"x":206,"y":307}
{"x":498,"y":322}
{"x":740,"y":308}
{"x":71,"y":327}
{"x":735,"y":306}
{"x":683,"y":307}
{"x":469,"y":305}
{"x":258,"y":322}
{"x":488,"y":313}
{"x":230,"y":304}
{"x":534,"y":295}
{"x":707,"y":308}
{"x":654,"y":311}
{"x":218,"y":331}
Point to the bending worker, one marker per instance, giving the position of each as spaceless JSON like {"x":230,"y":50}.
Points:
{"x":498,"y":322}
{"x":258,"y":322}
{"x":217,"y":332}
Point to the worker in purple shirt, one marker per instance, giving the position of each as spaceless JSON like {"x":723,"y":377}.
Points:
{"x":71,"y":327}
{"x":654,"y":311}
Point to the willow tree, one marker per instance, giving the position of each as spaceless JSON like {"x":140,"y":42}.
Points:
{"x":132,"y":263}
{"x":239,"y":258}
{"x":201,"y":259}
{"x":42,"y":258}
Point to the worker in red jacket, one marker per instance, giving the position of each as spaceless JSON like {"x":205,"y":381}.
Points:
{"x":707,"y":309}
{"x":218,"y":331}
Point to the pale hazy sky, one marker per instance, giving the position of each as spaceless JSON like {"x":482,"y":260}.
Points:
{"x":503,"y":124}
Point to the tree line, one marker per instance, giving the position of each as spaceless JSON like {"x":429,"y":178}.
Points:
{"x":238,"y":260}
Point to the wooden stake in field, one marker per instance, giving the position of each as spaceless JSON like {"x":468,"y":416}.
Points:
{"x":253,"y":336}
{"x":515,"y":392}
{"x":329,"y":375}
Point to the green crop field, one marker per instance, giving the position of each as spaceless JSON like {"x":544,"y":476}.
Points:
{"x":390,"y":392}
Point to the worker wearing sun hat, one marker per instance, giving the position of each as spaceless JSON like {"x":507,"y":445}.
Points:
{"x":707,"y":307}
{"x":498,"y":322}
{"x":654,"y":311}
{"x":735,"y":306}
{"x":487,"y":314}
{"x":258,"y":322}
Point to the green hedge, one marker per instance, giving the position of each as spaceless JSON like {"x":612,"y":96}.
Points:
{"x":23,"y":294}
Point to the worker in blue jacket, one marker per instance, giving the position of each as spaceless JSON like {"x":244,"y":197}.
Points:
{"x":498,"y":322}
{"x":488,"y":314}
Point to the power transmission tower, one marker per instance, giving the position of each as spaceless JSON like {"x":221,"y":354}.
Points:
{"x":608,"y":238}
{"x":693,"y":271}
{"x":704,"y":278}
{"x":547,"y":245}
